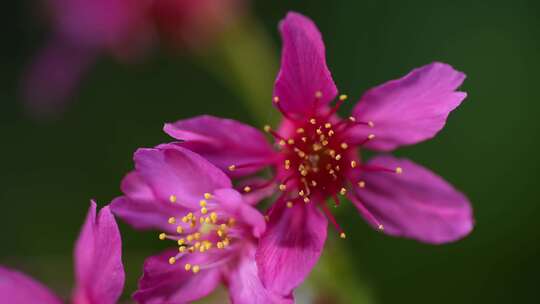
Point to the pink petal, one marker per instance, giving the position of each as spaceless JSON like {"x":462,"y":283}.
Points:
{"x":232,"y":202}
{"x":223,"y":142}
{"x":416,"y":204}
{"x":54,"y":75}
{"x":260,"y":189}
{"x":303,"y":68}
{"x":98,"y":259}
{"x":173,"y":170}
{"x":141,"y":208}
{"x":410,"y":109}
{"x":290,"y":247}
{"x":245,"y":285}
{"x":166,"y":283}
{"x":18,"y":288}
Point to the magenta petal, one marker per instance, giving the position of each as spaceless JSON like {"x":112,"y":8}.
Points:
{"x":173,"y":170}
{"x":245,"y":285}
{"x":166,"y":283}
{"x":232,"y":202}
{"x":141,"y":209}
{"x":223,"y":142}
{"x":410,"y":109}
{"x":290,"y":247}
{"x":260,"y":189}
{"x":98,"y":259}
{"x":416,"y":204}
{"x":50,"y":81}
{"x":303,"y":67}
{"x":18,"y":288}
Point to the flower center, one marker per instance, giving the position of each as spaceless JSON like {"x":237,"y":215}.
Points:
{"x":200,"y":231}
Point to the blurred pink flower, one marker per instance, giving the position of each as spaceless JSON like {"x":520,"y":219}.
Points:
{"x":214,"y":230}
{"x":84,"y":30}
{"x":99,"y":272}
{"x":318,"y":157}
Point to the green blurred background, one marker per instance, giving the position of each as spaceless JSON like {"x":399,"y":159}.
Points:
{"x":50,"y":169}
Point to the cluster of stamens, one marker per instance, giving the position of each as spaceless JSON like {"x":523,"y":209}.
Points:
{"x":315,"y":157}
{"x":199,"y":232}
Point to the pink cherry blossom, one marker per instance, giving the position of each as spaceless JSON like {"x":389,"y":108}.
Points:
{"x":213,"y":230}
{"x":318,"y":158}
{"x":99,"y":273}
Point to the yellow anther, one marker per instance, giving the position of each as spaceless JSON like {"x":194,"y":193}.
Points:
{"x":219,"y":245}
{"x":185,"y":219}
{"x":316,"y":147}
{"x":324,"y":142}
{"x":282,"y":187}
{"x":301,"y":192}
{"x":247,"y":189}
{"x":342,"y":235}
{"x":332,"y":153}
{"x":267,"y":128}
{"x":319,"y":132}
{"x":190,"y":215}
{"x":187,"y":267}
{"x":314,"y":183}
{"x":204,"y":210}
{"x":371,"y":124}
{"x":197,"y":235}
{"x":312,"y":121}
{"x":344,"y":146}
{"x":172,"y":198}
{"x":202,"y":203}
{"x":276,"y":99}
{"x":172,"y":260}
{"x":171,"y":220}
{"x":223,"y":226}
{"x":189,"y":238}
{"x":282,"y":143}
{"x":362,"y":184}
{"x":304,"y":139}
{"x":219,"y":232}
{"x":207,"y":220}
{"x":300,"y":130}
{"x":318,"y":94}
{"x":338,"y":157}
{"x":196,"y":269}
{"x":342,"y":97}
{"x":182,"y":249}
{"x":342,"y":191}
{"x":399,"y":170}
{"x":306,"y":199}
{"x":213,"y":217}
{"x":162,"y":236}
{"x":328,"y":125}
{"x":331,"y":132}
{"x":287,"y":164}
{"x":202,"y":249}
{"x":371,"y":136}
{"x":290,"y":141}
{"x":289,"y":204}
{"x":207,"y":196}
{"x":181,"y":242}
{"x":380,"y":227}
{"x":232,"y":167}
{"x":180,"y":229}
{"x":231,"y":221}
{"x":197,"y":245}
{"x":303,"y":172}
{"x":353,"y":164}
{"x":225,"y":242}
